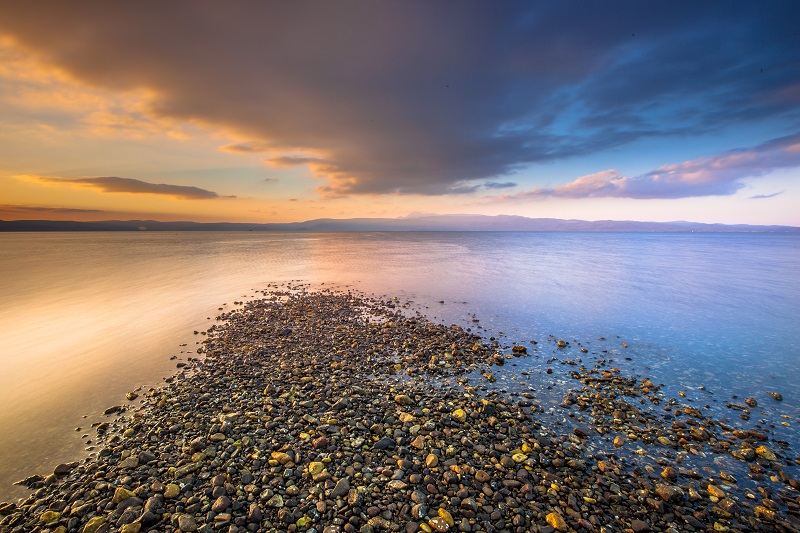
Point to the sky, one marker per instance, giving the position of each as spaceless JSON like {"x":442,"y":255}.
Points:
{"x":250,"y":111}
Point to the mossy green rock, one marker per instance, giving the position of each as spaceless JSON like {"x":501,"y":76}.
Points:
{"x":94,"y":524}
{"x":48,"y":517}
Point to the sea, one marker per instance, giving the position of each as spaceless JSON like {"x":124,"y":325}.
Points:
{"x":87,"y":317}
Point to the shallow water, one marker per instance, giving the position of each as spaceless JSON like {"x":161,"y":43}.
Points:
{"x":86,"y":317}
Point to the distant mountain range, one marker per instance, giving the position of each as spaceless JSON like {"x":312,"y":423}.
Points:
{"x":411,"y":223}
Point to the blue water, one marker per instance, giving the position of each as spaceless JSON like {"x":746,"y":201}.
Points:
{"x":86,"y":317}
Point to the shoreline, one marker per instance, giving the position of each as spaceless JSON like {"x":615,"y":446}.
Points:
{"x":318,"y":411}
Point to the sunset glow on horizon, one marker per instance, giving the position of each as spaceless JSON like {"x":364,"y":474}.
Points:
{"x":281,"y":112}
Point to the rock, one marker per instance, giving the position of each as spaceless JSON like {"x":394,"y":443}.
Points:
{"x":342,"y":487}
{"x":431,"y":460}
{"x":766,"y":453}
{"x":187,"y":523}
{"x":122,"y":494}
{"x":438,"y":524}
{"x":131,"y":396}
{"x":619,"y":440}
{"x":556,"y":520}
{"x":254,"y":514}
{"x":94,"y":524}
{"x":64,"y":468}
{"x":459,"y":415}
{"x":315,"y":467}
{"x":48,"y":517}
{"x":582,"y":431}
{"x":220,"y":504}
{"x":172,"y":491}
{"x":639,"y":526}
{"x":384,"y":444}
{"x":764,"y":514}
{"x":397,"y":484}
{"x":276,"y":501}
{"x":751,"y":402}
{"x":129,"y":463}
{"x":320,"y":442}
{"x":133,"y":527}
{"x":776,"y":395}
{"x":183,"y":471}
{"x":715,"y":491}
{"x":670,"y":493}
{"x":669,"y":473}
{"x":403,"y":399}
{"x":445,"y":514}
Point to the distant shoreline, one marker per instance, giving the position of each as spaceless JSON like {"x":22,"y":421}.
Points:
{"x":422,"y":223}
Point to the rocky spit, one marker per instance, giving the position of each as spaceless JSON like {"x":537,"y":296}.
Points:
{"x":323,"y":411}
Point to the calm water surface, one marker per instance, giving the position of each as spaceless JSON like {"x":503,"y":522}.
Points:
{"x":86,"y":317}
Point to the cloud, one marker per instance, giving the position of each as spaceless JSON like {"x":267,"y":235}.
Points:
{"x":128,"y":185}
{"x":418,"y":97}
{"x":496,"y":185}
{"x":246,"y":147}
{"x":764,"y":196}
{"x":24,"y":209}
{"x":718,"y":175}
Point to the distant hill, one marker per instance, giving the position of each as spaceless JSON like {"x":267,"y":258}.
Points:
{"x":412,"y":223}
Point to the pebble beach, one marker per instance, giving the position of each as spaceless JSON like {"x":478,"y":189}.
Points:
{"x":327,"y":411}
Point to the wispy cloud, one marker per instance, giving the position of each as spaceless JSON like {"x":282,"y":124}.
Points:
{"x":496,"y":185}
{"x":722,"y":174}
{"x":26,"y":209}
{"x":111,"y":184}
{"x":764,"y":196}
{"x":252,"y":147}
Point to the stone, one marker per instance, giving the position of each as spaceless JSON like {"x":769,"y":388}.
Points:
{"x":220,"y":504}
{"x":315,"y":467}
{"x":384,"y":444}
{"x":715,"y":491}
{"x":48,"y":517}
{"x":172,"y":491}
{"x":670,"y":493}
{"x":64,"y":468}
{"x":133,"y":527}
{"x":431,"y":460}
{"x":94,"y":524}
{"x":459,"y":415}
{"x":766,"y":453}
{"x":445,"y":514}
{"x":342,"y":487}
{"x":254,"y":514}
{"x":669,"y":473}
{"x":187,"y":523}
{"x":438,"y":524}
{"x":557,"y":522}
{"x":122,"y":494}
{"x":403,"y":399}
{"x":129,"y":463}
{"x":638,"y":526}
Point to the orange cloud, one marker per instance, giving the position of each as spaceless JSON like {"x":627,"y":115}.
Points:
{"x":111,"y":184}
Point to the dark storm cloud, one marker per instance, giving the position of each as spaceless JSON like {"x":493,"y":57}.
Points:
{"x":128,"y":185}
{"x":426,"y":97}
